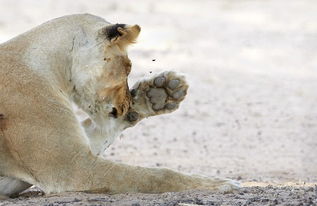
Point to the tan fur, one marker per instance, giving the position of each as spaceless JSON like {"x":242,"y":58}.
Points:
{"x":129,"y":35}
{"x":42,"y":72}
{"x":121,"y":67}
{"x":118,"y":90}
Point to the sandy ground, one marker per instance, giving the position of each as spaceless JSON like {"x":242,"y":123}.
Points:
{"x":246,"y":196}
{"x":251,"y":111}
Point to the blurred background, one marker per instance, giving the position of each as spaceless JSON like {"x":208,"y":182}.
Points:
{"x":251,"y":111}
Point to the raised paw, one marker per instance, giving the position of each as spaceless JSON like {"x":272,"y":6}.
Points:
{"x":157,"y":95}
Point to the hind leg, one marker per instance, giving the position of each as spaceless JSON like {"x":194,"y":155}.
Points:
{"x":62,"y":161}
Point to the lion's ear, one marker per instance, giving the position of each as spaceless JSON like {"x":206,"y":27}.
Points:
{"x":122,"y":34}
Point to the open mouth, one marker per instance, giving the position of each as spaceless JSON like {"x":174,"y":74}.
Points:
{"x":114,"y":112}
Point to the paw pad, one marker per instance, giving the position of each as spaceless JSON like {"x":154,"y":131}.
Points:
{"x":159,"y":94}
{"x":173,"y":84}
{"x":159,"y":81}
{"x":166,"y":91}
{"x":170,"y":106}
{"x":157,"y":97}
{"x":178,"y":94}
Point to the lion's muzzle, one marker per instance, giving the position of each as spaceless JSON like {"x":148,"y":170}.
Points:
{"x":120,"y":97}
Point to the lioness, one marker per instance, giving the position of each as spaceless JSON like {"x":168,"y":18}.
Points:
{"x":80,"y":59}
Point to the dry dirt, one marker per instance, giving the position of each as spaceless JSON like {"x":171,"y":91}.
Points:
{"x":247,"y":196}
{"x":251,"y":111}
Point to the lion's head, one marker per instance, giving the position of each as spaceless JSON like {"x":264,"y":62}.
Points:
{"x":118,"y":65}
{"x":106,"y":57}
